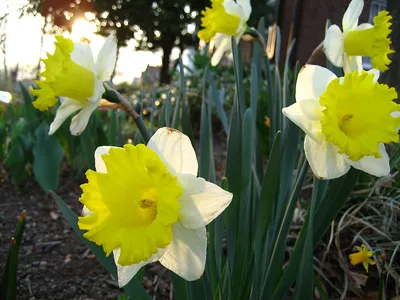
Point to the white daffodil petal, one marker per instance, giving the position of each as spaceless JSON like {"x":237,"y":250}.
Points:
{"x":86,"y":211}
{"x":364,"y":26}
{"x":80,"y":121}
{"x":98,"y":91}
{"x":186,"y":255}
{"x":201,"y":202}
{"x":372,"y":165}
{"x":311,"y":108}
{"x":312,"y":82}
{"x":396,"y":114}
{"x":231,"y":7}
{"x":352,"y":63}
{"x":126,"y":273}
{"x":223,"y":46}
{"x":376,"y":74}
{"x":334,"y":45}
{"x":324,"y":160}
{"x":82,"y":55}
{"x":67,"y":108}
{"x":353,"y":12}
{"x":98,"y":159}
{"x":175,"y":150}
{"x":296,"y":115}
{"x":107,"y":58}
{"x":246,"y":8}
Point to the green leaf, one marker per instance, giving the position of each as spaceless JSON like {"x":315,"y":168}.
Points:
{"x":15,"y":163}
{"x":113,"y":128}
{"x":168,"y":110}
{"x":276,"y":259}
{"x":238,"y":64}
{"x":8,"y":281}
{"x":205,"y":140}
{"x":186,"y":122}
{"x":48,"y":154}
{"x":268,"y":193}
{"x":180,"y":287}
{"x":134,"y":288}
{"x":12,"y":271}
{"x":327,"y":210}
{"x":304,"y":287}
{"x":218,"y":103}
{"x":233,"y":172}
{"x":30,"y":113}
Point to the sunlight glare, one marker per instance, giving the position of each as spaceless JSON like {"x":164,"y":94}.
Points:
{"x":83,"y":29}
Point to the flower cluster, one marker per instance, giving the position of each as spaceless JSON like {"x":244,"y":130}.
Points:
{"x":348,"y":120}
{"x":145,"y":203}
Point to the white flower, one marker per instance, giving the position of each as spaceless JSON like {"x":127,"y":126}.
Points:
{"x":72,"y":74}
{"x":225,"y":18}
{"x":346,"y":49}
{"x":346,"y":120}
{"x":198,"y":203}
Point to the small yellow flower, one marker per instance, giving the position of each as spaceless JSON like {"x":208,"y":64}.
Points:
{"x":345,"y":49}
{"x":362,"y":256}
{"x":225,"y":18}
{"x":267,"y":122}
{"x":145,"y":204}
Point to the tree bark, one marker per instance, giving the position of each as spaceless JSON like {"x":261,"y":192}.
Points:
{"x":391,"y":77}
{"x":165,"y":77}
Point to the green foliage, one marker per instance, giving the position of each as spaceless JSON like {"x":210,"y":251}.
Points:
{"x":8,"y":281}
{"x":47,"y":157}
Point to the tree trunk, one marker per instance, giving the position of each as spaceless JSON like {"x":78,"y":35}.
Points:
{"x":391,"y":77}
{"x":165,"y":77}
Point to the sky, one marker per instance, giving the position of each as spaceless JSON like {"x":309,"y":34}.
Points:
{"x":23,"y":45}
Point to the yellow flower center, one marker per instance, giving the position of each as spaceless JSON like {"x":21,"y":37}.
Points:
{"x":64,"y":77}
{"x":373,"y":42}
{"x":357,"y":115}
{"x":133,"y":205}
{"x":216,"y":19}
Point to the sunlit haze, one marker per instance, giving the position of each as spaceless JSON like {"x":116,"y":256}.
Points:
{"x":23,"y":44}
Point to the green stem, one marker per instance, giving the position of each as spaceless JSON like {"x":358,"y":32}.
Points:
{"x":113,"y":96}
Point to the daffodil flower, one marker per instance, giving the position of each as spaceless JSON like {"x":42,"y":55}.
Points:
{"x":224,"y":19}
{"x":362,"y":256}
{"x":346,"y":120}
{"x":345,"y":49}
{"x":146,"y":204}
{"x":72,"y":74}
